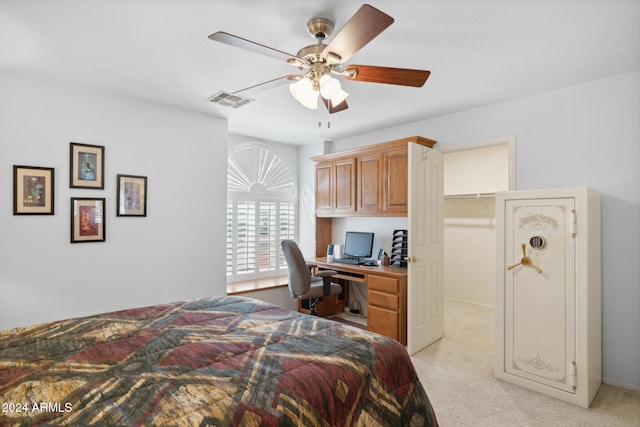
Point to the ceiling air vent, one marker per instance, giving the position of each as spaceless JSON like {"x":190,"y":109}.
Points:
{"x":229,"y":100}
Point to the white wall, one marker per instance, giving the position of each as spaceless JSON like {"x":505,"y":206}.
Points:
{"x":470,"y":250}
{"x":477,"y":170}
{"x":382,"y":227}
{"x":306,"y":183}
{"x":469,"y":221}
{"x":175,"y":253}
{"x":585,"y":135}
{"x":278,"y":296}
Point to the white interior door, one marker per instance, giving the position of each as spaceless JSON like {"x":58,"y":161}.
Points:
{"x":425,"y":286}
{"x":540,"y":292}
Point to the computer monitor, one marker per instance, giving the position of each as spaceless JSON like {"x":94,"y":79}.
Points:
{"x":358,"y":244}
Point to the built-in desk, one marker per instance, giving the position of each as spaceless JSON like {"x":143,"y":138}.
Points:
{"x":386,"y":295}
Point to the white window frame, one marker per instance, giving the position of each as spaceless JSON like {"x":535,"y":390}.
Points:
{"x":269,"y":262}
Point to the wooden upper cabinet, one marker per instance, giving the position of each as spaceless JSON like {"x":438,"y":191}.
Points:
{"x":396,"y":169}
{"x":345,"y":186}
{"x":324,"y":192}
{"x":368,"y":181}
{"x":336,"y":187}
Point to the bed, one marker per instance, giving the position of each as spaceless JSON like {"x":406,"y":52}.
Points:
{"x":210,"y":362}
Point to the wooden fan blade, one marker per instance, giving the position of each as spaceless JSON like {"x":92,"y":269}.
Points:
{"x":363,"y":27}
{"x":334,"y":108}
{"x":393,"y":76}
{"x":267,"y":85}
{"x":254,"y":47}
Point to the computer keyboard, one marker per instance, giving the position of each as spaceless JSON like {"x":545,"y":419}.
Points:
{"x":351,"y":261}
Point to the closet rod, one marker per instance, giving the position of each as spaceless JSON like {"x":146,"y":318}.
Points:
{"x":470,"y":196}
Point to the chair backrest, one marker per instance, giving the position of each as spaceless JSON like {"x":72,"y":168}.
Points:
{"x":299,"y":274}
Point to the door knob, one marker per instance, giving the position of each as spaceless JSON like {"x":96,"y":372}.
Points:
{"x":412,"y":259}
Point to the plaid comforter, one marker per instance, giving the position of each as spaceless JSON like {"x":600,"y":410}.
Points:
{"x":211,"y":362}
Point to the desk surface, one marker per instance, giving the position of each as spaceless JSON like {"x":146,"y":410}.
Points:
{"x":359,"y":269}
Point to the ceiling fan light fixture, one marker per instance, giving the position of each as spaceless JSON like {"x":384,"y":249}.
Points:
{"x":339,"y":97}
{"x":303,"y":92}
{"x":329,"y":87}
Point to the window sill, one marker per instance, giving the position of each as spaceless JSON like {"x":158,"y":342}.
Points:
{"x":247,"y":286}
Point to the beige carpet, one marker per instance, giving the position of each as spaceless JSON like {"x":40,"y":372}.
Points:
{"x":457,"y":373}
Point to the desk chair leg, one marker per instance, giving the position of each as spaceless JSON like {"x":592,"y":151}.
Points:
{"x":326,"y":286}
{"x":312,"y":307}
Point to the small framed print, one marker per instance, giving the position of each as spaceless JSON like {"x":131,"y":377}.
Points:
{"x":86,"y":166}
{"x":88,"y":222}
{"x":132,"y":195}
{"x":33,"y":190}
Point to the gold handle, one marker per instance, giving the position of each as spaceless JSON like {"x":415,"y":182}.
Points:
{"x":411,"y":259}
{"x":525,"y":260}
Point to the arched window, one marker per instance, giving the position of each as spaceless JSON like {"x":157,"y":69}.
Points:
{"x":261,"y":211}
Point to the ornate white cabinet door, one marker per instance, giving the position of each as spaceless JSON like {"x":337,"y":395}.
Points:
{"x":548,"y":292}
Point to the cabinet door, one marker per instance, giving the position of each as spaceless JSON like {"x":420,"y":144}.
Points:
{"x":370,"y":183}
{"x":344,"y":186}
{"x":396,"y":198}
{"x":324,"y":174}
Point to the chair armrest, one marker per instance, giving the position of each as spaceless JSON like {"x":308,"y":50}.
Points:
{"x":326,"y":280}
{"x":311,"y":265}
{"x":325,"y":273}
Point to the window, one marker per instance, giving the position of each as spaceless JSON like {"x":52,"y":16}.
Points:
{"x":261,"y":211}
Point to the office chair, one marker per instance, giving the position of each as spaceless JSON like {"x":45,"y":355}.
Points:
{"x":302,"y":284}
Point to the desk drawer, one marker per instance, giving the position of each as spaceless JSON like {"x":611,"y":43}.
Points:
{"x":384,"y":322}
{"x":380,"y":299}
{"x":383,"y":284}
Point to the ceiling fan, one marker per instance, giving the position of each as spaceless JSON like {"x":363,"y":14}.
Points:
{"x":319,"y":61}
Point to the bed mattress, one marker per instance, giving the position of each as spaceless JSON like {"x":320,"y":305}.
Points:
{"x":211,"y":362}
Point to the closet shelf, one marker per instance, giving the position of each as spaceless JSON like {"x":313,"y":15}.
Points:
{"x":470,"y":196}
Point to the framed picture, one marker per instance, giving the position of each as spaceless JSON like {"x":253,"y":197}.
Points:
{"x":87,"y":166}
{"x":88,"y":222}
{"x":132,"y":195}
{"x":33,"y":190}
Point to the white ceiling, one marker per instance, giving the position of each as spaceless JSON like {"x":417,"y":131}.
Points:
{"x":478,"y":51}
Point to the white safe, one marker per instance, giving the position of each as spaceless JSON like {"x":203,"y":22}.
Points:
{"x":548,"y":296}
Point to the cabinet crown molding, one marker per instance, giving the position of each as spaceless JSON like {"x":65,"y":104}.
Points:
{"x":380,"y":147}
